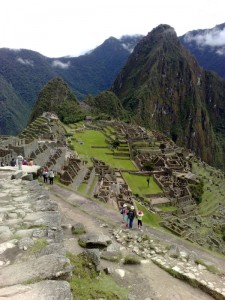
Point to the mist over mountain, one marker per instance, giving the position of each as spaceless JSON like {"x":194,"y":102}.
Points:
{"x":208,"y":46}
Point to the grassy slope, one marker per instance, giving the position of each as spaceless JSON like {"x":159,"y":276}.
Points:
{"x":138,"y":184}
{"x":94,"y":138}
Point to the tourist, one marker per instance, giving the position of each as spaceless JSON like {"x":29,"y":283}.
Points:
{"x":31,"y":162}
{"x":20,"y":161}
{"x":124,"y":212}
{"x":131,"y":215}
{"x":139,"y":217}
{"x":12,"y":162}
{"x":51,"y":176}
{"x":24,"y":163}
{"x":45,"y":175}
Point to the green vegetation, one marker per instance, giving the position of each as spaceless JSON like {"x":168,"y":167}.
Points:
{"x":82,"y":187}
{"x":78,"y":230}
{"x":149,"y":218}
{"x":210,"y":268}
{"x":131,"y":260}
{"x":197,"y":191}
{"x":148,"y":166}
{"x":86,"y":283}
{"x":70,"y":112}
{"x":57,"y":98}
{"x":139,"y":185}
{"x":38,"y":246}
{"x":168,"y":208}
{"x":91,"y":143}
{"x":107,"y":103}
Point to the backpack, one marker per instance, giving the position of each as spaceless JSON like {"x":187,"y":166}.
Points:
{"x":131,"y":214}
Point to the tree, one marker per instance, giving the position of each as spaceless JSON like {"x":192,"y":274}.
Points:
{"x":197,"y":191}
{"x":115,"y":143}
{"x":162,"y":147}
{"x":148,"y":166}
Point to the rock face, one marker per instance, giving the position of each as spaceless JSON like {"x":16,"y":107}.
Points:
{"x":164,"y":88}
{"x":32,"y":254}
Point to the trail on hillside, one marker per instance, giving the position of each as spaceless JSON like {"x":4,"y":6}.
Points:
{"x":145,"y":281}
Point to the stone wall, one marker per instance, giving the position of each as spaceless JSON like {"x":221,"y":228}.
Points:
{"x":33,"y":263}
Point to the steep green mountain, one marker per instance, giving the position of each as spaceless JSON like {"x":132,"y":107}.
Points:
{"x":208,"y":46}
{"x":56,"y":97}
{"x":164,"y":88}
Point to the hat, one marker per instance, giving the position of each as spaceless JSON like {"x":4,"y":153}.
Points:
{"x":125,"y":205}
{"x":132,"y":207}
{"x":140,"y":213}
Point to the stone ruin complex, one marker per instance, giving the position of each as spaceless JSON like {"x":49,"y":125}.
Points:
{"x":44,"y":141}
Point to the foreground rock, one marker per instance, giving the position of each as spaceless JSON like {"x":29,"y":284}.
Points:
{"x":33,"y":264}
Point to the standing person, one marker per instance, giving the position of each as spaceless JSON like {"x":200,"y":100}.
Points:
{"x":124,"y":212}
{"x":51,"y":176}
{"x":139,"y":217}
{"x":131,"y":215}
{"x":24,"y":162}
{"x":20,"y":161}
{"x":45,"y":175}
{"x":12,"y":162}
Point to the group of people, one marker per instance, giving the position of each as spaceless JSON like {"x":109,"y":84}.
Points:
{"x":48,"y":174}
{"x":19,"y":161}
{"x":129,"y":215}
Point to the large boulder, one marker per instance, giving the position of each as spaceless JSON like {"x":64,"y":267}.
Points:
{"x":95,"y":241}
{"x":49,"y":289}
{"x":45,"y":267}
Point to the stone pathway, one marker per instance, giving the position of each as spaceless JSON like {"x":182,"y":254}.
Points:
{"x":32,"y":254}
{"x":176,"y":256}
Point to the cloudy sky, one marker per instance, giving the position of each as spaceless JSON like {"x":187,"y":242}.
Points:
{"x":57,"y":28}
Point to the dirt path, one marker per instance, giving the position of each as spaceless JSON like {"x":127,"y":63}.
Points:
{"x":145,"y":281}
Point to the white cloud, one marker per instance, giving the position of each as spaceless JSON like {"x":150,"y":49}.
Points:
{"x":221,"y":51}
{"x":25,"y":61}
{"x":59,"y":64}
{"x":70,"y":27}
{"x":14,"y":49}
{"x":213,"y":38}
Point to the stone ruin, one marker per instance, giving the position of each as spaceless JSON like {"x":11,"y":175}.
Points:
{"x":111,"y":187}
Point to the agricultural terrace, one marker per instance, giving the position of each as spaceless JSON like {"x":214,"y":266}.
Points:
{"x":138,"y":184}
{"x":92,"y":143}
{"x":214,"y":189}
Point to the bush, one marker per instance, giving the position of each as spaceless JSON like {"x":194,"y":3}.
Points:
{"x":131,"y":260}
{"x":197,"y":191}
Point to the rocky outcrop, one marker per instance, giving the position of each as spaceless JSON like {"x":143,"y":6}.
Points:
{"x":33,"y":263}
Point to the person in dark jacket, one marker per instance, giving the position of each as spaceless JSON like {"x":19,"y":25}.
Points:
{"x":131,"y":215}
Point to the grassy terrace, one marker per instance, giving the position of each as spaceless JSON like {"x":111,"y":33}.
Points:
{"x":214,"y":190}
{"x":138,"y":184}
{"x":86,"y":142}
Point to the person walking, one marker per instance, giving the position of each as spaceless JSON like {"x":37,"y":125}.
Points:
{"x":20,"y":161}
{"x":51,"y":176}
{"x":139,"y":217}
{"x":124,"y":212}
{"x":131,"y":215}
